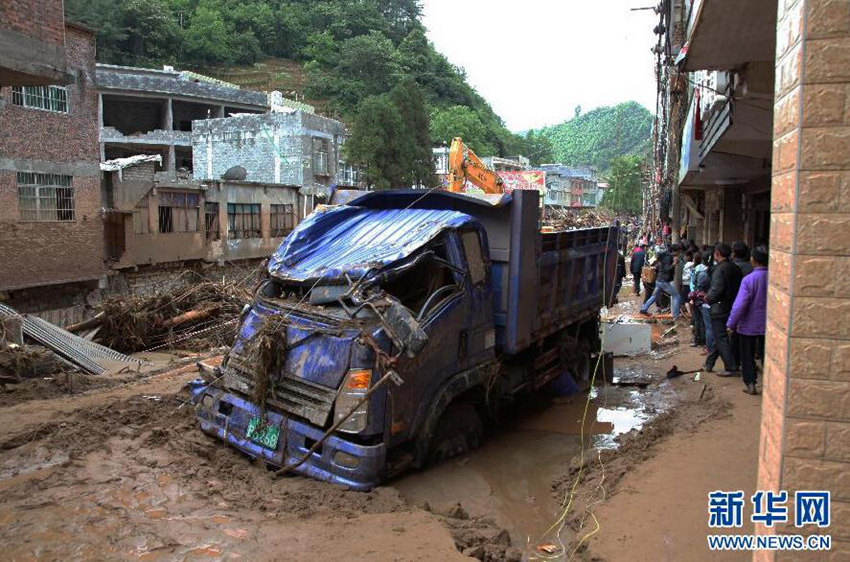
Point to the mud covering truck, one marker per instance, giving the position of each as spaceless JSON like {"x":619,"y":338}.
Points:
{"x":390,"y":329}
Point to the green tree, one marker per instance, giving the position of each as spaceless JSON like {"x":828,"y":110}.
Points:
{"x":461,"y":121}
{"x":208,"y":37}
{"x":322,"y":49}
{"x":538,"y":148}
{"x":373,"y":143}
{"x":415,"y":143}
{"x":389,"y":139}
{"x":153,"y":33}
{"x":625,"y":192}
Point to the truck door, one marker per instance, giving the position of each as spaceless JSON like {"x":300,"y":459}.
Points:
{"x":456,"y":316}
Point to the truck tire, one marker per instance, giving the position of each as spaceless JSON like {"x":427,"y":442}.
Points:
{"x":459,"y":430}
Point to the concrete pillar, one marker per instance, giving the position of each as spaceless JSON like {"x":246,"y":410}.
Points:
{"x":168,"y":115}
{"x":221,"y":112}
{"x":171,"y":160}
{"x":805,"y":428}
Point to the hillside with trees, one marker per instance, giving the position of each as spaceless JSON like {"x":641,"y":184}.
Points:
{"x":348,"y":51}
{"x":597,"y":137}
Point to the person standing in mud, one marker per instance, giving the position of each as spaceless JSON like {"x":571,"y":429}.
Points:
{"x":749,"y":317}
{"x":725,"y":281}
{"x":636,"y":265}
{"x":664,"y":284}
{"x":700,"y":283}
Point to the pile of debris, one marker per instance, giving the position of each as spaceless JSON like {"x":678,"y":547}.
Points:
{"x":196,"y":316}
{"x":19,"y":361}
{"x":567,"y":219}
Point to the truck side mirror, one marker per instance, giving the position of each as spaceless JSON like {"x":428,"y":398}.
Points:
{"x":405,"y":328}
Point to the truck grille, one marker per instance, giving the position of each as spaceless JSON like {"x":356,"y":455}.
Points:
{"x":291,"y":394}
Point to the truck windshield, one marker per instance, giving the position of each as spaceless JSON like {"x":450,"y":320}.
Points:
{"x":420,"y":282}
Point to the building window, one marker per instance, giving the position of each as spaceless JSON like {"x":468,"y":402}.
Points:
{"x":346,"y":174}
{"x":48,"y":98}
{"x":211,"y":226}
{"x":320,"y":157}
{"x":282,"y":220}
{"x":243,"y":220}
{"x":45,"y":197}
{"x":178,"y":211}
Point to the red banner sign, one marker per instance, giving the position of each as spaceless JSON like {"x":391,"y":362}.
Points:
{"x":525,"y":179}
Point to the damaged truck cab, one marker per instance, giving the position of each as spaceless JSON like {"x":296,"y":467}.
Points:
{"x":389,"y":329}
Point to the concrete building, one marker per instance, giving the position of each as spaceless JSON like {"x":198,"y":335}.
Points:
{"x":153,"y":221}
{"x":762,"y":153}
{"x":143,"y":111}
{"x":719,"y":109}
{"x":292,"y":148}
{"x":571,"y":187}
{"x":33,"y":43}
{"x":51,"y":227}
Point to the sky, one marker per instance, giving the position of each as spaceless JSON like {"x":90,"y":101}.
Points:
{"x":536,"y":60}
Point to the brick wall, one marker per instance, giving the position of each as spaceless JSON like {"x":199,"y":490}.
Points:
{"x":40,"y":19}
{"x":32,"y":140}
{"x":805,"y":433}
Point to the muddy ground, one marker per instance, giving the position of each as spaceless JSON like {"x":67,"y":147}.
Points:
{"x":115,"y":468}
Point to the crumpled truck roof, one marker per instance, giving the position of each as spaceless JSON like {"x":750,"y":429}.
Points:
{"x":334,"y":242}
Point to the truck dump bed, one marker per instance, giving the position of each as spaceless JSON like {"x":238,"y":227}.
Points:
{"x":542,"y":282}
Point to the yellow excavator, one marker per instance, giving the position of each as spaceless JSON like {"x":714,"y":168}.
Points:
{"x":465,"y":165}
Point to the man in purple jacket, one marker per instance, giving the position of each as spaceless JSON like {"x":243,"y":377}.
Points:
{"x":749,"y":316}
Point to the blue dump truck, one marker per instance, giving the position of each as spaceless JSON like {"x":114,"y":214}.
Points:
{"x":389,"y":330}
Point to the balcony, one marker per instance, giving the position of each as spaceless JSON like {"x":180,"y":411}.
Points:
{"x":727,"y":135}
{"x":725,"y":34}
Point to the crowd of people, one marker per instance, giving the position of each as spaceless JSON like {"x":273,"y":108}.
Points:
{"x":721,"y":290}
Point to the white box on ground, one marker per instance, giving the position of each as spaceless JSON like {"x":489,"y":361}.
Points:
{"x":628,"y":339}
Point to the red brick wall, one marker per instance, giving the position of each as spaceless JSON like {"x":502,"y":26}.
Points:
{"x":39,"y":19}
{"x":35,"y":140}
{"x":805,"y":432}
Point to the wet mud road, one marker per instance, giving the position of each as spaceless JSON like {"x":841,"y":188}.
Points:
{"x":121,"y":472}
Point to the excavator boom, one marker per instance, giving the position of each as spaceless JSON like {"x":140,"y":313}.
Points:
{"x":465,"y":165}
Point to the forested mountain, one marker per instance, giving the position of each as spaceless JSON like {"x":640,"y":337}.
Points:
{"x":350,"y":50}
{"x":597,"y":137}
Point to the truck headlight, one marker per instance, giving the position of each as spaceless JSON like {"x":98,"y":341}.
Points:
{"x":354,"y":388}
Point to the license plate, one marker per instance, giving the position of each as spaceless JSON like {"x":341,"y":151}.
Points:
{"x":265,"y":436}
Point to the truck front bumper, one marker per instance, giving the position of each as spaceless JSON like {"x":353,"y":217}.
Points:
{"x":226,"y":416}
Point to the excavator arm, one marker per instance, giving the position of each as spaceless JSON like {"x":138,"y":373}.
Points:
{"x":465,"y":165}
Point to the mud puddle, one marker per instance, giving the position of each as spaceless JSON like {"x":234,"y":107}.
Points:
{"x":510,"y":477}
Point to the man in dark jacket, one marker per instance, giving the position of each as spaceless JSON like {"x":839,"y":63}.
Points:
{"x":725,"y":281}
{"x":664,"y":283}
{"x":741,"y":257}
{"x":636,"y":265}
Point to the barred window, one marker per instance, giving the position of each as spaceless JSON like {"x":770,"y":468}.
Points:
{"x":282,"y":220}
{"x":243,"y":220}
{"x":45,"y":197}
{"x":48,"y":98}
{"x":178,"y":211}
{"x":320,"y":157}
{"x":211,"y":226}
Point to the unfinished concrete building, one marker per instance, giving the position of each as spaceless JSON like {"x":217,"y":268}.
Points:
{"x":292,"y":148}
{"x":143,"y":111}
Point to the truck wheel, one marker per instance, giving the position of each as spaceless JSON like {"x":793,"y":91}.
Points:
{"x":458,"y":431}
